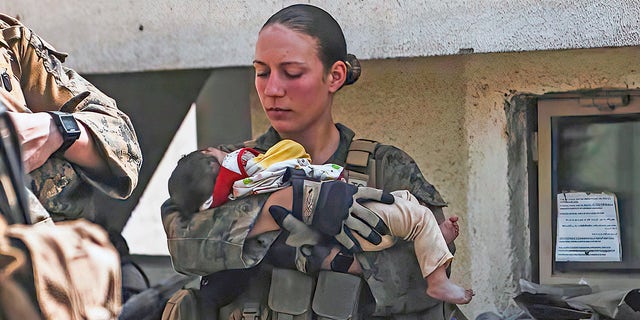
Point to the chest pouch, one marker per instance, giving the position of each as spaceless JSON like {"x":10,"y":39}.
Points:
{"x":336,"y":296}
{"x":290,"y":295}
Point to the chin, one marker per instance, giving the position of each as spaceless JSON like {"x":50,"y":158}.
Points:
{"x":285,"y":128}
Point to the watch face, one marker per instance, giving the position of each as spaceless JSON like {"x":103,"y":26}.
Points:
{"x":69,"y":123}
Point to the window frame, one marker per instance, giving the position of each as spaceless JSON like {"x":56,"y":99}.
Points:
{"x":567,"y":105}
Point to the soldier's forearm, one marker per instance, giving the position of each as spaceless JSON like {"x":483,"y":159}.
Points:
{"x":84,"y":153}
{"x":265,"y":222}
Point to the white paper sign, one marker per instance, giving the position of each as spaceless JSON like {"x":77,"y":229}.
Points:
{"x":588,"y":227}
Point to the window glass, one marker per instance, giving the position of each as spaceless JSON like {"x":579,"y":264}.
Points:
{"x":600,"y":154}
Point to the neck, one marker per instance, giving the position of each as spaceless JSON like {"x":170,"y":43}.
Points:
{"x":320,"y":142}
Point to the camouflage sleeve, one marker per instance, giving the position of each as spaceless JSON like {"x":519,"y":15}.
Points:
{"x":47,"y":85}
{"x":400,"y":172}
{"x":216,"y":239}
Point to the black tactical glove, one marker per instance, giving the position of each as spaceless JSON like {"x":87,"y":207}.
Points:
{"x":335,"y":208}
{"x":311,"y":247}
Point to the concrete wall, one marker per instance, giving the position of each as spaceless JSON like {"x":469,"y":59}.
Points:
{"x":122,"y":36}
{"x":449,"y":113}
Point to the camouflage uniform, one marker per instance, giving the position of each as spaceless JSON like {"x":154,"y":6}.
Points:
{"x":34,"y":80}
{"x":397,"y":288}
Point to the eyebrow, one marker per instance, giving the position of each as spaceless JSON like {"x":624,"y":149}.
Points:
{"x":286,"y":63}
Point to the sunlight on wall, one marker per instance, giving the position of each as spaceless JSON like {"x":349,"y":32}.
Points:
{"x":144,"y":232}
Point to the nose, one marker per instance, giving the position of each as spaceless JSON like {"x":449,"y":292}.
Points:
{"x":275,"y":86}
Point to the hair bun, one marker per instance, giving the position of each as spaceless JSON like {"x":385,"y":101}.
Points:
{"x":353,"y":69}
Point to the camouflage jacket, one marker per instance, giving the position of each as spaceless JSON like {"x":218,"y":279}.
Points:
{"x":397,"y":288}
{"x":34,"y":80}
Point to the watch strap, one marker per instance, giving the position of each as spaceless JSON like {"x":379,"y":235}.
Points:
{"x":342,"y":261}
{"x":69,"y":136}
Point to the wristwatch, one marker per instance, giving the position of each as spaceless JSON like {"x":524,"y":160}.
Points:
{"x":68,"y":127}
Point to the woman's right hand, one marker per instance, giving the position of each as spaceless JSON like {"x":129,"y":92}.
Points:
{"x":334,"y":208}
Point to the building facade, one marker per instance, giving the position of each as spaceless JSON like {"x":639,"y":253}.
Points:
{"x":444,"y":81}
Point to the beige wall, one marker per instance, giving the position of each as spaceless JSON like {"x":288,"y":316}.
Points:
{"x":448,"y":112}
{"x":106,"y":36}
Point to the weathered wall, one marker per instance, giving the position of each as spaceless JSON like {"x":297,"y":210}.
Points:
{"x":123,"y":35}
{"x":449,"y":114}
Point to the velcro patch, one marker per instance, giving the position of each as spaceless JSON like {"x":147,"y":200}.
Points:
{"x":311,"y":191}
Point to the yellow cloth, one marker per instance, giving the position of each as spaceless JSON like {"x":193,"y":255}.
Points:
{"x":281,"y":151}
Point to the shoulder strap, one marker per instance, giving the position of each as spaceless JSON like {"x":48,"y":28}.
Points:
{"x":361,"y":163}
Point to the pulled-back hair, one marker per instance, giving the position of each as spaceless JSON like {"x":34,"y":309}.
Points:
{"x":319,"y":24}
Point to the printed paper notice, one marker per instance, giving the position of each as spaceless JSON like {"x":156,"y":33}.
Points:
{"x":588,"y":227}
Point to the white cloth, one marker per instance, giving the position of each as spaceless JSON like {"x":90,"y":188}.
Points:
{"x":270,"y":179}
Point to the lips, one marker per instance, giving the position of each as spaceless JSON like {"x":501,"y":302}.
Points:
{"x":275,"y":112}
{"x":278,"y":114}
{"x":277,"y":109}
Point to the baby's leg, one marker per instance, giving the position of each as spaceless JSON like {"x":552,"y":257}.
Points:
{"x":409,"y":220}
{"x":449,"y":227}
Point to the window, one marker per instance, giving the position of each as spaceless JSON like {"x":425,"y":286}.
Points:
{"x":592,"y":145}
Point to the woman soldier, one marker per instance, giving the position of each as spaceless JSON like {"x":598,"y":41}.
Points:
{"x":301,"y":61}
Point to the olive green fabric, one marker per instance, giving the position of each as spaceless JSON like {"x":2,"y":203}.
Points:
{"x":393,"y":275}
{"x":216,"y":239}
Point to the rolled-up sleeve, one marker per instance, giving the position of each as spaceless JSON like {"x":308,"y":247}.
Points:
{"x":47,"y":86}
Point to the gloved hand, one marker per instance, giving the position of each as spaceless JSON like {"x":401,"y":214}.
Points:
{"x":335,"y":209}
{"x":311,"y":249}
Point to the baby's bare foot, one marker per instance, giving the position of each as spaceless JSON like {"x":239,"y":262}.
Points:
{"x":450,"y":229}
{"x":448,"y":291}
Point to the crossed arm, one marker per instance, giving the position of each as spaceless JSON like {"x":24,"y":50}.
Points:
{"x":40,"y":138}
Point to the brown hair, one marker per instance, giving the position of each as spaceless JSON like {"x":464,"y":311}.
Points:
{"x":319,"y":24}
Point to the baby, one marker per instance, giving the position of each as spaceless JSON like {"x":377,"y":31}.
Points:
{"x":208,"y":178}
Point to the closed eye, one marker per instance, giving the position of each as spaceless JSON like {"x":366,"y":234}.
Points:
{"x":261,"y":69}
{"x":293,"y":76}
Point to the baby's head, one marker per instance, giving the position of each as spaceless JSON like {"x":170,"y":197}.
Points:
{"x":192,"y":181}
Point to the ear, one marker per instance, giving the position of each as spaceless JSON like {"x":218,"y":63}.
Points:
{"x":337,"y":76}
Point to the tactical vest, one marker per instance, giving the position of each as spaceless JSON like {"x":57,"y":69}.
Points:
{"x":361,"y":164}
{"x":294,"y":295}
{"x":332,"y":295}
